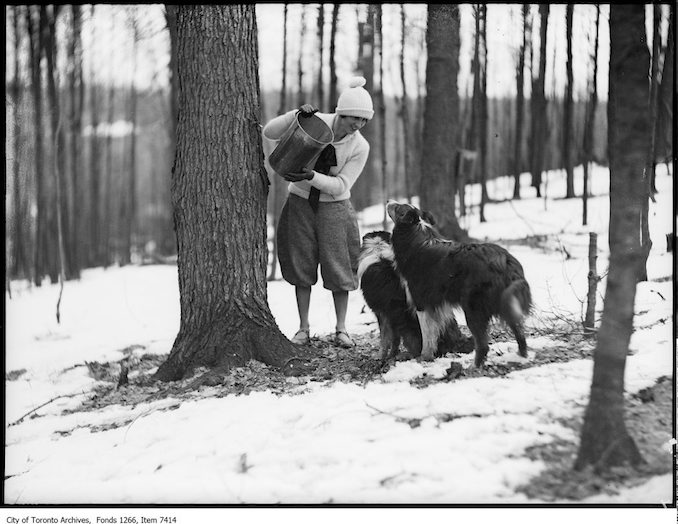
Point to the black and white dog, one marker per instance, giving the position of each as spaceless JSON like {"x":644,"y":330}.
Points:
{"x":384,"y":293}
{"x":483,"y":279}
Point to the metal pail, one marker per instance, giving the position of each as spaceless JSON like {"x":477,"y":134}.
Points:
{"x":300,"y":145}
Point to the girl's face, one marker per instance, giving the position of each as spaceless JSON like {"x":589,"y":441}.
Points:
{"x":349,"y":124}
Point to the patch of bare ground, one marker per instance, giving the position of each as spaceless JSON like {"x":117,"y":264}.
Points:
{"x":649,"y":420}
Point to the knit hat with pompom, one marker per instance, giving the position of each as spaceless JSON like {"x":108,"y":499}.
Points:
{"x":355,"y":100}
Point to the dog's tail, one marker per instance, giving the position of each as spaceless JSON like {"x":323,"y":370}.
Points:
{"x":516,"y":301}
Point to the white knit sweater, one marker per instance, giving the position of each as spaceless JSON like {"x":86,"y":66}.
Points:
{"x":351,"y":152}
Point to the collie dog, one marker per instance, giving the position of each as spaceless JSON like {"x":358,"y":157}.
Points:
{"x":384,"y":294}
{"x":439,"y":275}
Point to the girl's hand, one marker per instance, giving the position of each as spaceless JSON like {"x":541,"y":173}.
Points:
{"x":307,"y":110}
{"x":305,"y":174}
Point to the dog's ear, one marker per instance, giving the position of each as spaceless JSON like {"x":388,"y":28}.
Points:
{"x":428,"y":217}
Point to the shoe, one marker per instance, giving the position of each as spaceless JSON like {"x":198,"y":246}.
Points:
{"x":301,"y":337}
{"x":342,"y":338}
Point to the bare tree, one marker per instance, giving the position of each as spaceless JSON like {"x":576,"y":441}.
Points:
{"x":277,"y":186}
{"x":381,"y":112}
{"x":591,"y":106}
{"x":219,"y":197}
{"x":483,"y":123}
{"x":568,"y":107}
{"x":76,"y":194}
{"x":128,"y":207}
{"x":404,"y":107}
{"x":333,"y":68}
{"x":539,"y":126}
{"x":321,"y":42}
{"x":440,"y":113}
{"x":520,"y":101}
{"x":59,"y":264}
{"x":300,"y":68}
{"x":605,"y":441}
{"x":19,"y":262}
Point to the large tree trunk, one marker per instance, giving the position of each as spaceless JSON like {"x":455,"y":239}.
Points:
{"x":520,"y":103}
{"x":219,"y":198}
{"x":539,"y":128}
{"x":568,"y":109}
{"x":605,"y":441}
{"x":441,"y":113}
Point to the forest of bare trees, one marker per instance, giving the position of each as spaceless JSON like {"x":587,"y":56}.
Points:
{"x":90,"y":148}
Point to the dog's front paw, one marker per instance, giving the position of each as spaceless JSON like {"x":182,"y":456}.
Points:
{"x":426,"y":356}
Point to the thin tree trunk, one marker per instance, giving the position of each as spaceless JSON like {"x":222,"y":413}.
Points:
{"x":75,"y":197}
{"x":321,"y":38}
{"x":590,"y":120}
{"x":482,"y":128}
{"x":57,"y":229}
{"x":40,"y":244}
{"x":404,"y":109}
{"x":19,"y":264}
{"x":220,"y":200}
{"x":277,"y":185}
{"x":605,"y":441}
{"x":593,"y":279}
{"x":538,"y":107}
{"x":568,"y":107}
{"x":333,"y":68}
{"x":520,"y":103}
{"x":301,"y":97}
{"x":648,"y":175}
{"x":381,"y":114}
{"x":440,"y":137}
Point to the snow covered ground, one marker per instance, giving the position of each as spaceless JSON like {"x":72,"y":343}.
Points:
{"x":339,"y":443}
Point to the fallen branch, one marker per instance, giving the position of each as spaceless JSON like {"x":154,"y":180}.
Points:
{"x":20,"y":419}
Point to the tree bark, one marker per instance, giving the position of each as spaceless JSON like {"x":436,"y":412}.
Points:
{"x":219,"y":198}
{"x":605,"y":441}
{"x":441,"y":112}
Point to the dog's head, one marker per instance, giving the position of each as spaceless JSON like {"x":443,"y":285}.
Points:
{"x":376,"y":243}
{"x":408,"y":215}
